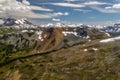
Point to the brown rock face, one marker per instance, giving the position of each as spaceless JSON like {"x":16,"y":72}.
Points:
{"x":51,"y":39}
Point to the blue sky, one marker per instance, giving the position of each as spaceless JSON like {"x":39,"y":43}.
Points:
{"x":66,"y":11}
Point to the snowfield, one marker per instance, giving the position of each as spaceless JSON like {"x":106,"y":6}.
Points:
{"x":110,"y":39}
{"x":69,"y":32}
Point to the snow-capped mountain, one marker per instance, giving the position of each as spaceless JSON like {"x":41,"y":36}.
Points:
{"x":60,"y":25}
{"x":53,"y":25}
{"x":115,"y":29}
{"x":97,"y":26}
{"x":8,"y":21}
{"x":77,"y":30}
{"x":16,"y":23}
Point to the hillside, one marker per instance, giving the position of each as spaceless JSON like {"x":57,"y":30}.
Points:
{"x":86,"y":61}
{"x":59,"y":54}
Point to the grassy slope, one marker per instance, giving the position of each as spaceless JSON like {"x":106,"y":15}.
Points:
{"x":6,"y":30}
{"x":70,"y":64}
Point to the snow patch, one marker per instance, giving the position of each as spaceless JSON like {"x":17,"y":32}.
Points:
{"x":68,"y":32}
{"x":87,"y":37}
{"x":23,"y":31}
{"x":85,"y":50}
{"x":1,"y":21}
{"x":39,"y":33}
{"x":107,"y":34}
{"x":95,"y":49}
{"x":89,"y":40}
{"x":110,"y":39}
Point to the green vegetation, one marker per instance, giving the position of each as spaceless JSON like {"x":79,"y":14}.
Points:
{"x":6,"y":30}
{"x":102,"y":64}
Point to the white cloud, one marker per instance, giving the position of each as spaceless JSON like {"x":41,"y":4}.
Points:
{"x":22,"y":9}
{"x":13,"y":5}
{"x":115,"y":6}
{"x":26,"y":2}
{"x":66,"y":13}
{"x":107,"y":7}
{"x":1,"y":1}
{"x":105,"y":10}
{"x":56,"y":20}
{"x":84,"y":11}
{"x":95,"y":3}
{"x":61,"y":14}
{"x":68,"y":5}
{"x":40,"y":8}
{"x":31,"y":14}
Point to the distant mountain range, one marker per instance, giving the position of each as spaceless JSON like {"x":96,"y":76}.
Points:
{"x":115,"y":29}
{"x":26,"y":24}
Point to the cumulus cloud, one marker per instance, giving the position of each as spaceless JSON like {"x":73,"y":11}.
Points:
{"x":56,"y":20}
{"x":13,"y":5}
{"x":21,"y":9}
{"x":68,"y":5}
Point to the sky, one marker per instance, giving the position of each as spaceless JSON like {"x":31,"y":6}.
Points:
{"x":65,"y":11}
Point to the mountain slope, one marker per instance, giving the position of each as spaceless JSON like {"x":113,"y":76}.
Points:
{"x":99,"y":62}
{"x":59,"y":54}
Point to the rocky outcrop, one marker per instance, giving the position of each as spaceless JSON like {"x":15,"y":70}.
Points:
{"x":19,"y":41}
{"x":51,"y":39}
